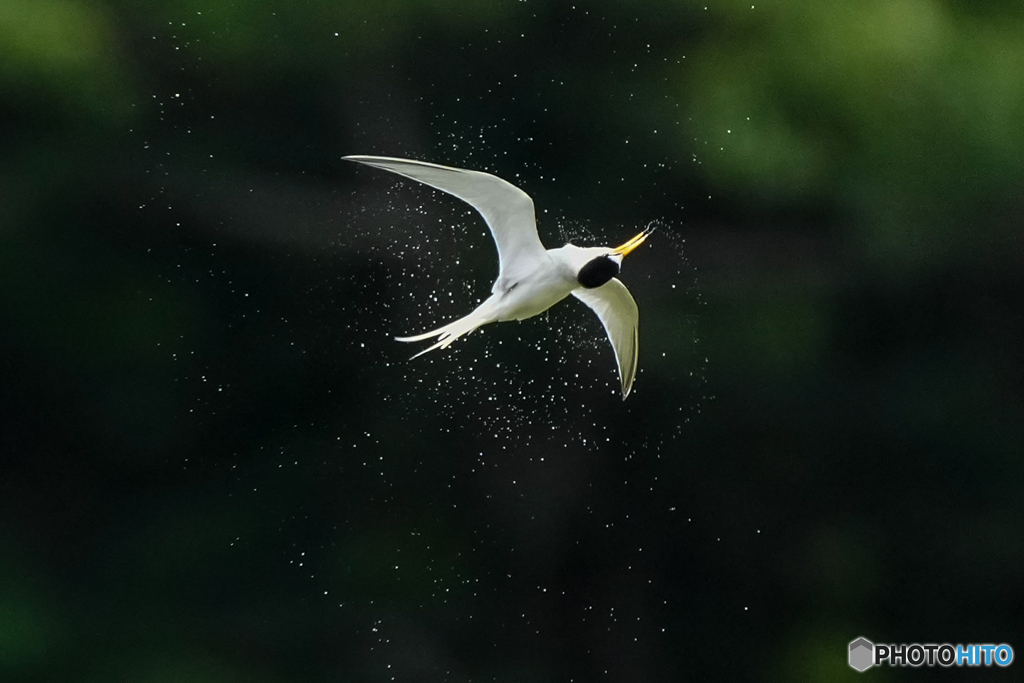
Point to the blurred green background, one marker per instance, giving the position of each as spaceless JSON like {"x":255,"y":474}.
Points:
{"x":220,"y":467}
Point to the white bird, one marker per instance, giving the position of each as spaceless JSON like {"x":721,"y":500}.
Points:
{"x":531,"y":279}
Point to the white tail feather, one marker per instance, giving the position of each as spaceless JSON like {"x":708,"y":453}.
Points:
{"x":449,"y":333}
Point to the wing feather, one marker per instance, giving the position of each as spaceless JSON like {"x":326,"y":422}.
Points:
{"x":620,"y":316}
{"x":507,"y":210}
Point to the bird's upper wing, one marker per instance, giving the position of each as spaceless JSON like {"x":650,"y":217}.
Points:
{"x":507,"y":209}
{"x":618,"y":313}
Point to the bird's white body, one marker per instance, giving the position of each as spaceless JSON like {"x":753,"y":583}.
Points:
{"x":536,"y":290}
{"x":531,"y":279}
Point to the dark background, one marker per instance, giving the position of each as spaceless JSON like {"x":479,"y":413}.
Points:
{"x":218,"y":465}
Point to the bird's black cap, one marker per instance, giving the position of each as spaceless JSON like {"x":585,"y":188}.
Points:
{"x":597,"y":272}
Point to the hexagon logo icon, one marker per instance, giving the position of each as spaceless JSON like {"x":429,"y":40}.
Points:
{"x":862,"y":654}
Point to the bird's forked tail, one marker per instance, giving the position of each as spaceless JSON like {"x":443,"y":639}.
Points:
{"x":449,"y":333}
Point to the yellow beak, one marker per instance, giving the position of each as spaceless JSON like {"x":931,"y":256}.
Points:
{"x":629,"y":246}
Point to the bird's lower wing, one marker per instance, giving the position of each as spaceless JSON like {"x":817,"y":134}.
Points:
{"x":618,"y":313}
{"x":507,"y":210}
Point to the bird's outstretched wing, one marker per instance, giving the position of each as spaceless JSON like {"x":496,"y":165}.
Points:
{"x":507,"y":209}
{"x":618,"y":313}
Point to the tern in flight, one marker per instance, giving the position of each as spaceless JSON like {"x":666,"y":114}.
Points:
{"x":531,"y":279}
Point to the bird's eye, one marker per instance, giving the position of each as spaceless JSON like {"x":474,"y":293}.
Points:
{"x":597,"y":272}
